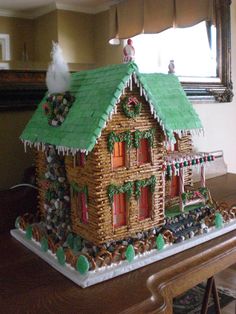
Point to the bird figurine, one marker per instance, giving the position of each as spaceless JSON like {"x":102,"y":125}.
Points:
{"x":128,"y":51}
{"x":171,"y":67}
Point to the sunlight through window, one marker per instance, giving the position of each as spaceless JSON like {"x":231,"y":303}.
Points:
{"x":193,"y":50}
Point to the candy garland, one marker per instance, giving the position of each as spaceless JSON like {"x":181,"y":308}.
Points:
{"x":128,"y":188}
{"x":114,"y":189}
{"x":172,"y":167}
{"x":121,"y":137}
{"x":131,"y":103}
{"x":76,"y":189}
{"x":151,"y":183}
{"x":192,"y":195}
{"x":148,"y":134}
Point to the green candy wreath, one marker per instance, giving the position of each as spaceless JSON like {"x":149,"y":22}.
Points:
{"x":131,"y":102}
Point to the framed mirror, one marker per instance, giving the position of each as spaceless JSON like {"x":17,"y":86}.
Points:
{"x":220,"y":90}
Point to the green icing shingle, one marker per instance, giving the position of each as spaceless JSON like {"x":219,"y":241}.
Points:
{"x":170,"y":102}
{"x":96,"y":92}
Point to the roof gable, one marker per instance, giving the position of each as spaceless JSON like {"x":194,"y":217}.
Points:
{"x":96,"y":94}
{"x":169,"y":103}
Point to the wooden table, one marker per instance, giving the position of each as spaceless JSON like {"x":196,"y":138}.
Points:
{"x":29,"y":285}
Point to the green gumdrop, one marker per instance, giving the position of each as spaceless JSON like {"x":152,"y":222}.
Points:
{"x":77,"y":244}
{"x":160,"y":242}
{"x":44,"y":244}
{"x":130,"y":253}
{"x":218,"y":220}
{"x":17,"y":221}
{"x":82,"y":265}
{"x":28,"y":232}
{"x":70,"y":240}
{"x":60,"y":256}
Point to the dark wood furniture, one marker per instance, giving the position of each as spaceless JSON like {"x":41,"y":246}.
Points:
{"x":29,"y":285}
{"x":21,"y":89}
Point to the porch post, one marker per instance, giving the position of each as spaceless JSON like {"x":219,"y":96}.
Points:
{"x":181,"y":188}
{"x":203,"y":176}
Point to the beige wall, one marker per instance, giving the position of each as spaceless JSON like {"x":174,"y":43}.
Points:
{"x":83,"y":38}
{"x":76,"y":36}
{"x":104,"y":52}
{"x":20,"y":31}
{"x":45,"y":30}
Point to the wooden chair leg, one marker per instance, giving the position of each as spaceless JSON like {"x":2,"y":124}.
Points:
{"x":216,"y":297}
{"x":210,"y":289}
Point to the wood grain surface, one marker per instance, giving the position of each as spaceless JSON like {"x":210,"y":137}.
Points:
{"x":29,"y":285}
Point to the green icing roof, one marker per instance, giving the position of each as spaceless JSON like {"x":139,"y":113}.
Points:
{"x":96,"y":92}
{"x":170,"y":102}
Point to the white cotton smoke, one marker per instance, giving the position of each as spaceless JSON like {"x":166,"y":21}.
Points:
{"x":58,"y":76}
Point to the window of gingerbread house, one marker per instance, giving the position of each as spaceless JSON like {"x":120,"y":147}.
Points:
{"x":82,"y":207}
{"x":145,"y":203}
{"x":119,"y":155}
{"x":144,"y":155}
{"x":143,"y":141}
{"x":174,"y":186}
{"x":119,"y":210}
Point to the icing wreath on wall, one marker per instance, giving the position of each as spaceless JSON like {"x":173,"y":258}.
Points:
{"x":131,"y":107}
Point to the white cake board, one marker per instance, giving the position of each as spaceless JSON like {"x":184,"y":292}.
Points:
{"x":114,"y":270}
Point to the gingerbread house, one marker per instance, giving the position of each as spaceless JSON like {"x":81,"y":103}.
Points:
{"x":120,"y":155}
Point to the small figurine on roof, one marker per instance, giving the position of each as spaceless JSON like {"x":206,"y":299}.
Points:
{"x":59,"y":100}
{"x":128,"y":51}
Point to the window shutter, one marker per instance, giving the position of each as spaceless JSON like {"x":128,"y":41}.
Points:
{"x":144,"y":203}
{"x":119,"y":155}
{"x":119,"y":210}
{"x":144,"y":152}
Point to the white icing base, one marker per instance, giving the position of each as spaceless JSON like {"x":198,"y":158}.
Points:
{"x":108,"y":272}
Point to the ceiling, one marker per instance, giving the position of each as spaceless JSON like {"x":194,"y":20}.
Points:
{"x":31,"y":6}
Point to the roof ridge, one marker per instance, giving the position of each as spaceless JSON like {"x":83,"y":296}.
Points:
{"x":97,"y":92}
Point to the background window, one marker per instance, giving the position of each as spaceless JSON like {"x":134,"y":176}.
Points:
{"x":119,"y":210}
{"x":193,"y":50}
{"x":145,"y":203}
{"x":144,"y":152}
{"x":119,"y":155}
